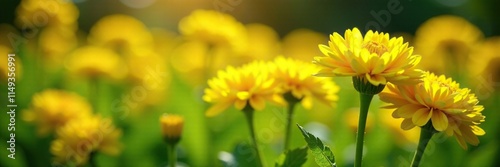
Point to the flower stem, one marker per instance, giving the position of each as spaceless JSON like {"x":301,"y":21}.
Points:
{"x":92,"y":161}
{"x":249,"y":116}
{"x":289,"y":125}
{"x":426,"y":133}
{"x":172,"y":155}
{"x":365,"y":100}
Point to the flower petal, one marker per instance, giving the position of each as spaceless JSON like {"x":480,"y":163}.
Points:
{"x":421,"y":116}
{"x":439,"y":120}
{"x":217,"y":109}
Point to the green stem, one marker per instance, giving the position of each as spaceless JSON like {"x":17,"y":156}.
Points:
{"x":92,"y":161}
{"x":365,"y":100}
{"x":172,"y":155}
{"x":289,"y":125}
{"x":426,"y":133}
{"x":249,"y":116}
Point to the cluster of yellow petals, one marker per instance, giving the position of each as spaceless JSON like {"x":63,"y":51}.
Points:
{"x":250,"y":84}
{"x":451,"y":109}
{"x":257,"y":82}
{"x":52,"y":109}
{"x":79,"y":138}
{"x":376,"y":57}
{"x":295,"y":76}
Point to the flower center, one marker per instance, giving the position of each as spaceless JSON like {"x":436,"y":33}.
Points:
{"x":375,"y":47}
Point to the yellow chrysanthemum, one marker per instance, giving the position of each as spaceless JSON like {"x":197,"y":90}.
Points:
{"x":59,"y":13}
{"x":215,"y":28}
{"x":93,"y":61}
{"x":250,"y":84}
{"x":122,"y":33}
{"x":451,"y":109}
{"x":375,"y":56}
{"x":302,"y":44}
{"x":171,"y":127}
{"x":445,"y":40}
{"x":76,"y":140}
{"x":294,"y":76}
{"x":52,"y":109}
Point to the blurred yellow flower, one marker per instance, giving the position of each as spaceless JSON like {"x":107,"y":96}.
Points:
{"x":302,"y":44}
{"x":445,"y":41}
{"x":295,"y":76}
{"x":76,"y":140}
{"x":451,"y":109}
{"x":402,"y":137}
{"x":375,"y":56}
{"x":164,"y":40}
{"x":55,"y":43}
{"x":171,"y":127}
{"x":250,"y":85}
{"x":263,"y":44}
{"x":59,"y":13}
{"x":216,"y":28}
{"x":151,"y":73}
{"x":124,"y":34}
{"x":93,"y":61}
{"x":52,"y":109}
{"x":485,"y":60}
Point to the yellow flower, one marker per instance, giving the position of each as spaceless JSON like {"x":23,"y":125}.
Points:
{"x":93,"y":61}
{"x":402,"y":137}
{"x":485,"y":61}
{"x":52,"y":109}
{"x":451,"y":109}
{"x":151,"y":73}
{"x":302,"y":44}
{"x":76,"y":140}
{"x":445,"y":40}
{"x":57,"y":13}
{"x":171,"y":127}
{"x":55,"y":43}
{"x":215,"y":28}
{"x":263,"y":44}
{"x":250,"y":84}
{"x":124,"y":34}
{"x":375,"y":56}
{"x":4,"y":69}
{"x":295,"y":76}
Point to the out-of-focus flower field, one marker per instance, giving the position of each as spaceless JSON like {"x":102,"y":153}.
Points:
{"x":128,"y":82}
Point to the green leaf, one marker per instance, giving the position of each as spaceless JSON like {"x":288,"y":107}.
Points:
{"x":322,"y":153}
{"x":292,"y":158}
